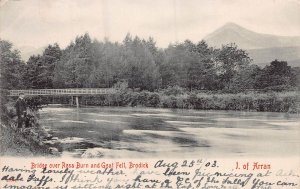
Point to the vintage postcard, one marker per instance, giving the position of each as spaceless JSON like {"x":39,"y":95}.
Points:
{"x":150,"y":94}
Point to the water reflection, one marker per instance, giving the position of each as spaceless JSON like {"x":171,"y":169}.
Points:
{"x":146,"y":132}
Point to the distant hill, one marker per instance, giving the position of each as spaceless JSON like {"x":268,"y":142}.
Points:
{"x":262,"y":48}
{"x":263,"y":57}
{"x":246,"y":39}
{"x":27,"y":51}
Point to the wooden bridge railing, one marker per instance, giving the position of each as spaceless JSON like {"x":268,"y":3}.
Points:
{"x":73,"y":91}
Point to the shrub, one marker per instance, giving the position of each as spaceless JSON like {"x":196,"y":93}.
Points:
{"x":176,"y":90}
{"x":249,"y":101}
{"x":153,"y":100}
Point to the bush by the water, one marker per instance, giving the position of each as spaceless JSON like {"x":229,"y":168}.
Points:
{"x":26,"y":141}
{"x":250,"y":101}
{"x":272,"y":102}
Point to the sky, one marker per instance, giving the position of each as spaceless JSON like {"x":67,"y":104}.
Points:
{"x":38,"y":23}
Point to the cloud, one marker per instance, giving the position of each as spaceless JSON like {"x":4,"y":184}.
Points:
{"x":37,"y":23}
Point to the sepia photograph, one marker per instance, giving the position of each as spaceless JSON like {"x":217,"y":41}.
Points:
{"x":150,"y":80}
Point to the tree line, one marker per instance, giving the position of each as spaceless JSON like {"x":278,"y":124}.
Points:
{"x":141,"y":65}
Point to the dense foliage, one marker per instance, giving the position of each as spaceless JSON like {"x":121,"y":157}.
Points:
{"x":177,"y":97}
{"x":11,"y":66}
{"x":143,"y":66}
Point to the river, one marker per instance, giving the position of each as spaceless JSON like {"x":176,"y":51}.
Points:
{"x":123,"y":132}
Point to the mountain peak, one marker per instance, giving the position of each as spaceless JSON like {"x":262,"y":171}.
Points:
{"x":231,"y":25}
{"x":247,"y":39}
{"x":228,"y":29}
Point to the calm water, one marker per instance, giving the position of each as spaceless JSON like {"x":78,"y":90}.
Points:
{"x":146,"y":132}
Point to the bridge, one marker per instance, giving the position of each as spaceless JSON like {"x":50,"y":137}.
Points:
{"x":69,"y":92}
{"x":73,"y":92}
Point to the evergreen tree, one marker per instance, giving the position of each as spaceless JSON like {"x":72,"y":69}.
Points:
{"x":229,"y":60}
{"x":277,"y":75}
{"x":39,"y":73}
{"x":10,"y":66}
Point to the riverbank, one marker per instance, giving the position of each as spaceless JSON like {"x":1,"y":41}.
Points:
{"x":31,"y":141}
{"x":176,"y":98}
{"x":28,"y":142}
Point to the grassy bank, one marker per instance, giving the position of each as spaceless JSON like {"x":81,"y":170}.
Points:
{"x":28,"y":141}
{"x":267,"y":102}
{"x":14,"y":143}
{"x":250,"y":101}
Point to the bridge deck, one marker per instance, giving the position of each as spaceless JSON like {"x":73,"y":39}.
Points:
{"x":51,"y":92}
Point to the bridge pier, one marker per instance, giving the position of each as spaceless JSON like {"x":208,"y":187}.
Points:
{"x":77,"y":102}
